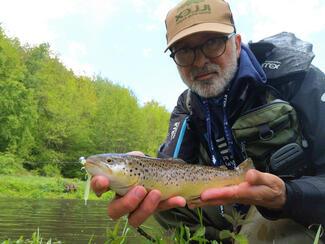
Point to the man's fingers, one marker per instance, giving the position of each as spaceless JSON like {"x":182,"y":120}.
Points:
{"x":255,"y":177}
{"x":228,"y":192}
{"x":99,"y":184}
{"x":272,"y":191}
{"x":126,"y":204}
{"x":146,"y":208}
{"x":261,"y":189}
{"x":172,"y":202}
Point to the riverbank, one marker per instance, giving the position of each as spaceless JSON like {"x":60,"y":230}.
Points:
{"x":38,"y":187}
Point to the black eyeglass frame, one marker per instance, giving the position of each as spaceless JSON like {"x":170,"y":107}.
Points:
{"x":223,"y":38}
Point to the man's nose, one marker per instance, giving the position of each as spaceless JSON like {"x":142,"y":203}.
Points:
{"x":200,"y":58}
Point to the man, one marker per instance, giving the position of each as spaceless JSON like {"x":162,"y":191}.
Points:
{"x":226,"y":81}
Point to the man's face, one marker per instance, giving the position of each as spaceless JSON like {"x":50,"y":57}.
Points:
{"x":208,"y":77}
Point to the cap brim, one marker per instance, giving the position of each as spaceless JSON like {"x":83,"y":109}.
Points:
{"x":204,"y":27}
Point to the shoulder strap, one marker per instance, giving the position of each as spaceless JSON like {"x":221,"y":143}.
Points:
{"x":188,"y":101}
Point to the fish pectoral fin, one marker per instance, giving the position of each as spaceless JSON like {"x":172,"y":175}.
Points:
{"x":194,"y":200}
{"x":123,"y":189}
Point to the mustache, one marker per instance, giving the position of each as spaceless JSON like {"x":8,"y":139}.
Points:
{"x":209,"y":68}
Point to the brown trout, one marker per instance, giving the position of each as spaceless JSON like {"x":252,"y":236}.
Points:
{"x":172,"y":177}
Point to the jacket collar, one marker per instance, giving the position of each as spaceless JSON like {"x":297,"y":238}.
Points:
{"x":249,"y":73}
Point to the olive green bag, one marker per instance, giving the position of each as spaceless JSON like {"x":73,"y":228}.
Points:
{"x":271,"y":136}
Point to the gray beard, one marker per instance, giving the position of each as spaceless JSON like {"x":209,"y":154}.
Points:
{"x":215,"y":86}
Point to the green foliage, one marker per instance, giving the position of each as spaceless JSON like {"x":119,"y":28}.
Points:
{"x":11,"y":164}
{"x":183,"y":234}
{"x":37,"y":187}
{"x":118,"y":235}
{"x":50,"y":170}
{"x":319,"y":233}
{"x":49,"y":117}
{"x":239,"y":238}
{"x":236,"y":219}
{"x":17,"y":106}
{"x":156,"y":121}
{"x":117,"y":118}
{"x":36,"y":239}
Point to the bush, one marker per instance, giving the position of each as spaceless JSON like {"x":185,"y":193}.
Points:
{"x":50,"y":170}
{"x":11,"y":165}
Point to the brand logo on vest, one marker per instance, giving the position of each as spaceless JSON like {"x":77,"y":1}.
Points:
{"x":323,"y":98}
{"x":271,"y":64}
{"x":190,"y":8}
{"x":174,"y":131}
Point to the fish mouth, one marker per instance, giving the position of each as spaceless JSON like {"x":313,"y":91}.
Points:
{"x":94,"y":162}
{"x":96,"y":167}
{"x":91,"y":163}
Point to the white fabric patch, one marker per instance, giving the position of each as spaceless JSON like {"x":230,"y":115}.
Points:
{"x":323,"y":98}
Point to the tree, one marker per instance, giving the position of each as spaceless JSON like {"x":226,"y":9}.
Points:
{"x":17,"y":107}
{"x":156,"y":120}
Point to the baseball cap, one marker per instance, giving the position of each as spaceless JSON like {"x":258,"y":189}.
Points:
{"x":193,"y":16}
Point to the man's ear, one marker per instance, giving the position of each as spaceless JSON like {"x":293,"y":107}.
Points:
{"x":238,"y":44}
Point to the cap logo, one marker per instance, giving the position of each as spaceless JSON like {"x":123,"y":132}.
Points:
{"x":189,"y":2}
{"x":190,"y":8}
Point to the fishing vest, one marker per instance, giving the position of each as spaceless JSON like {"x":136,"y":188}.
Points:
{"x":272,"y":134}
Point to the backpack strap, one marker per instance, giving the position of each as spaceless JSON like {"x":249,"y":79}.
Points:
{"x":188,"y":101}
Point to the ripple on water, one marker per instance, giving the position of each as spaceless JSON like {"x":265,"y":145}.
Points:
{"x":69,"y":221}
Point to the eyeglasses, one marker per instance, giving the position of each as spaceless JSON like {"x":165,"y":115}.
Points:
{"x":212,"y":48}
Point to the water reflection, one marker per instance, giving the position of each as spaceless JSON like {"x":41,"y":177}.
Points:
{"x":69,"y":221}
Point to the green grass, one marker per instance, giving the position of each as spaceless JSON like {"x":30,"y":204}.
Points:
{"x":36,"y":239}
{"x":38,"y":187}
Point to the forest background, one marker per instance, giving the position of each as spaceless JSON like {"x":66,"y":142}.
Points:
{"x":50,"y":117}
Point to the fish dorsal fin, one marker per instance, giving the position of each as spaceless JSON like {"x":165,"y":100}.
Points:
{"x":223,"y":167}
{"x":246,"y":164}
{"x":177,"y":160}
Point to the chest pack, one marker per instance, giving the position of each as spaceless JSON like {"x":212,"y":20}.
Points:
{"x":271,"y":135}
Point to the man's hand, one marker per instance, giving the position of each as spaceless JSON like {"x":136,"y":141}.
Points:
{"x":259,"y":188}
{"x":137,"y":203}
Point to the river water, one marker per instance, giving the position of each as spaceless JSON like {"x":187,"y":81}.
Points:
{"x":68,"y":221}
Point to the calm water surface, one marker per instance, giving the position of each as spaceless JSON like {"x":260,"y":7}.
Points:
{"x":69,"y":221}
